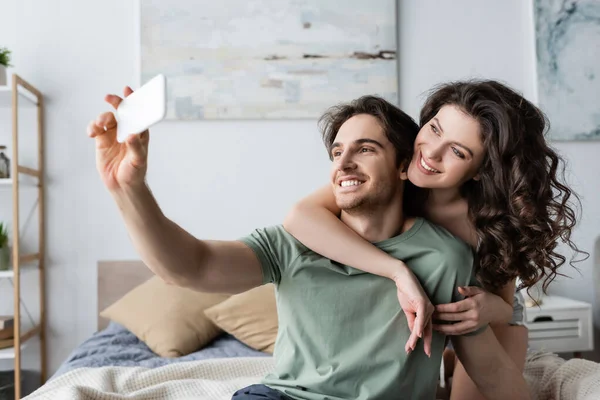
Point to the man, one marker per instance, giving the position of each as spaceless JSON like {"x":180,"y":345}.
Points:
{"x":341,"y":331}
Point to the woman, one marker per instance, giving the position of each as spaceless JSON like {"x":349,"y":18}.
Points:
{"x":488,"y":177}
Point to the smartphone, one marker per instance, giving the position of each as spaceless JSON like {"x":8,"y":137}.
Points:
{"x":143,"y":108}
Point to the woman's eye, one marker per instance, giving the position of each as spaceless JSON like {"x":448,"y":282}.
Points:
{"x":336,"y":153}
{"x":458,"y":153}
{"x":434,"y":129}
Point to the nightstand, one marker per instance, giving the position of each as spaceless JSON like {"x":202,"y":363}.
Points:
{"x":560,"y":325}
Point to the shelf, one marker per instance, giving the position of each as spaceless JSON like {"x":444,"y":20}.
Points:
{"x":29,"y":262}
{"x":23,"y":268}
{"x":7,"y":183}
{"x":9,"y":352}
{"x":6,"y":97}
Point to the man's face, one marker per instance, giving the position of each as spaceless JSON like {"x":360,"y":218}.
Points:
{"x":364,"y":174}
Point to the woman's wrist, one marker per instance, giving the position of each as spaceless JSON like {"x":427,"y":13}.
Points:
{"x":398,"y":271}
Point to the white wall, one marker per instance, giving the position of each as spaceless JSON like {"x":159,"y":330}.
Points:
{"x":222,"y":179}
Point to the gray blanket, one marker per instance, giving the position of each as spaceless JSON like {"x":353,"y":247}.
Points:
{"x":116,"y":346}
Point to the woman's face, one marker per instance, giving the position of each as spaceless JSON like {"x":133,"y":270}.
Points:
{"x":448,"y":150}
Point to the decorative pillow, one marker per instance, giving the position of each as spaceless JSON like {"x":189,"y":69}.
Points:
{"x":251,"y":317}
{"x":168,"y":318}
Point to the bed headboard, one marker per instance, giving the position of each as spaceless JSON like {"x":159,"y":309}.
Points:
{"x":115,"y":279}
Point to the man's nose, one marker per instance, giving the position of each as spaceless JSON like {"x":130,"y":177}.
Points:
{"x":346,"y":162}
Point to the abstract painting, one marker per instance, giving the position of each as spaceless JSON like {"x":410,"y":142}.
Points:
{"x":568,"y":66}
{"x":268,"y":59}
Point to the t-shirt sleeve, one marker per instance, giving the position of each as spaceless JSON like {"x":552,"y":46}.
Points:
{"x":272,"y":248}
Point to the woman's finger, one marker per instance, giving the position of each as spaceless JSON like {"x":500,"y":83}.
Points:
{"x":420,"y":321}
{"x":470,"y":290}
{"x":427,"y":338}
{"x":459,"y":328}
{"x":461,"y":316}
{"x":458,"y":306}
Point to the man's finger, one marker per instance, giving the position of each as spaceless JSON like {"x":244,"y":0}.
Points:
{"x":106,"y":121}
{"x":127,"y":91}
{"x":455,"y":329}
{"x":113,"y":100}
{"x":458,"y":306}
{"x":461,"y":316}
{"x":94,"y":130}
{"x":145,"y":137}
{"x":136,"y":153}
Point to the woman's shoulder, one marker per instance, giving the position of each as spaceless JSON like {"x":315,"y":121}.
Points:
{"x":444,"y":238}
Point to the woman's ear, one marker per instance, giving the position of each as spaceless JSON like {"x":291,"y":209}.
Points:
{"x":477,"y":177}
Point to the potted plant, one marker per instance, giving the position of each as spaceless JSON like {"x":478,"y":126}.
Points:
{"x":4,"y":63}
{"x":4,"y":248}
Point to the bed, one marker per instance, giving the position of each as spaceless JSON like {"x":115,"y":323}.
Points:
{"x":114,"y":345}
{"x":114,"y":364}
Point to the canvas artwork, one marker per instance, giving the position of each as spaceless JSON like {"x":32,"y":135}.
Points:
{"x":268,"y":59}
{"x":568,"y":66}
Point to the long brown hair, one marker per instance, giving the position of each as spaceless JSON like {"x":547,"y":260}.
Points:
{"x":520,"y":207}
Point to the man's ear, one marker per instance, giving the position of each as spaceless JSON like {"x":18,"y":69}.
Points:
{"x":403,"y":170}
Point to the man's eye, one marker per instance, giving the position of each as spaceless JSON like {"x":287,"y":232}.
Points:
{"x":365,"y":150}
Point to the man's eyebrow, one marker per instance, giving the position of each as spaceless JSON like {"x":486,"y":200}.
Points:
{"x":358,"y":141}
{"x":437,"y":121}
{"x":371,"y":141}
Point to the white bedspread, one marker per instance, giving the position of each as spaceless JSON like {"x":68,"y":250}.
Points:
{"x":549,"y":377}
{"x":207,"y":379}
{"x":552,"y":378}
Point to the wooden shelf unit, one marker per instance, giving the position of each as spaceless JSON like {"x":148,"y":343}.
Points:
{"x":22,"y":94}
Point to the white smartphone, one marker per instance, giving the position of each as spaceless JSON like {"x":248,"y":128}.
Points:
{"x":143,"y":108}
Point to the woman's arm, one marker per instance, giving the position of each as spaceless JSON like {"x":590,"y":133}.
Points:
{"x":479,"y":308}
{"x":486,"y":307}
{"x":315,"y":222}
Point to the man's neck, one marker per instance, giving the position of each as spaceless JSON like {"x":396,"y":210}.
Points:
{"x":378,"y":223}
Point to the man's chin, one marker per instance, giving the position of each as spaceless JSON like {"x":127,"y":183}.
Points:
{"x":349,"y":203}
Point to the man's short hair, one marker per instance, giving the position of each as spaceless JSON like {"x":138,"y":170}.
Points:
{"x":400,"y":129}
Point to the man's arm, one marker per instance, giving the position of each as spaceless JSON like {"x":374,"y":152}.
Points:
{"x":169,"y":251}
{"x":180,"y":258}
{"x":492,"y":370}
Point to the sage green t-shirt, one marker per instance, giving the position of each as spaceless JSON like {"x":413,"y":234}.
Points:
{"x":341,"y":331}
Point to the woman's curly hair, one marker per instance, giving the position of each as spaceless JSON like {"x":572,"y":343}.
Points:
{"x":520,"y":206}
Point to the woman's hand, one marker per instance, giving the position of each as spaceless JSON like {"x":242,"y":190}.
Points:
{"x":478,"y":309}
{"x":417,"y":307}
